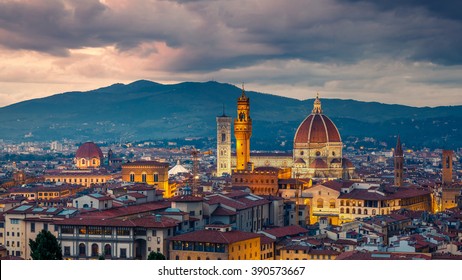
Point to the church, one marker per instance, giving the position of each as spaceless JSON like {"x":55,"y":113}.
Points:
{"x":317,"y":146}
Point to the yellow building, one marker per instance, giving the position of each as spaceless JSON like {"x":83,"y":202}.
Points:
{"x":153,"y":173}
{"x":216,"y":243}
{"x":299,"y":252}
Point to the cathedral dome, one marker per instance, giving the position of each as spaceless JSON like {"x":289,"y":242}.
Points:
{"x":317,"y":128}
{"x":89,"y":150}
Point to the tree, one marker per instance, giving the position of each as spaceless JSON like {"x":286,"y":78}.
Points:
{"x":156,"y":256}
{"x":45,"y":247}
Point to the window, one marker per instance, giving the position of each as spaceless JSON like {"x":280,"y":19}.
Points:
{"x":94,"y":250}
{"x":123,"y":253}
{"x":132,"y":177}
{"x":320,"y":203}
{"x":123,"y":231}
{"x":14,"y":221}
{"x":143,"y":177}
{"x":82,"y":249}
{"x":107,"y":250}
{"x":223,"y":137}
{"x":32,"y":227}
{"x":332,"y":203}
{"x":154,"y":232}
{"x":156,"y":177}
{"x":67,"y":250}
{"x":67,"y":229}
{"x":45,"y":226}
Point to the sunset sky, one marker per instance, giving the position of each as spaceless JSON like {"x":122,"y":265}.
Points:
{"x":405,"y":52}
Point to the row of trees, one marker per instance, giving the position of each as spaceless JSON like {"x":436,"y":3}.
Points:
{"x":46,"y":247}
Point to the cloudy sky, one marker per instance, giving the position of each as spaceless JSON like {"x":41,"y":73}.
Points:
{"x":405,"y":52}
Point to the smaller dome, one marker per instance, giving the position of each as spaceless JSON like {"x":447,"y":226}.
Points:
{"x":346,"y":163}
{"x":89,"y":150}
{"x":335,"y":160}
{"x":318,"y":163}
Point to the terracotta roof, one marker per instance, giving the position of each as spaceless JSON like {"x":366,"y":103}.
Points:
{"x":147,"y":162}
{"x":89,"y":150}
{"x":285,"y":231}
{"x":318,"y":163}
{"x":215,"y":236}
{"x":128,"y":210}
{"x":399,"y":193}
{"x":187,"y":198}
{"x":146,"y":221}
{"x":357,"y":255}
{"x":221,"y":211}
{"x":317,"y":128}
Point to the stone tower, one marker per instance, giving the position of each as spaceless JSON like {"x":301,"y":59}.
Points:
{"x":223,"y":144}
{"x":399,"y":160}
{"x":446,"y":162}
{"x":243,"y":131}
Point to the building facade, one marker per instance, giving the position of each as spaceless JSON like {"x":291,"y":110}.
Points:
{"x":150,"y":172}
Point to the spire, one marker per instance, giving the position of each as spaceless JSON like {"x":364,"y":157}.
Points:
{"x":317,"y":105}
{"x":243,"y":91}
{"x":399,"y":148}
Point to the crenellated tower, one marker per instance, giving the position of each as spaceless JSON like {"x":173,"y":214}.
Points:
{"x":399,"y":160}
{"x":243,"y":131}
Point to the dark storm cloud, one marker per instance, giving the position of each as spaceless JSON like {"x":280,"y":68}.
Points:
{"x":215,"y":35}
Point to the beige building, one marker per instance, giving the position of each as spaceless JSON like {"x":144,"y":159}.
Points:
{"x":25,"y":222}
{"x":84,"y":177}
{"x":89,"y":237}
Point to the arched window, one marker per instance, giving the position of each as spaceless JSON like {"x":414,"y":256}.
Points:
{"x":332,"y":203}
{"x":132,"y":177}
{"x":94,"y":161}
{"x":347,"y":203}
{"x":342,"y":210}
{"x":94,"y":250}
{"x":359,"y":211}
{"x":341,"y":202}
{"x":374,"y":212}
{"x":353,"y":211}
{"x":365,"y":211}
{"x":82,"y":251}
{"x":83,"y":161}
{"x":320,"y":203}
{"x":156,"y":177}
{"x":107,"y":250}
{"x":143,"y":177}
{"x":348,"y":210}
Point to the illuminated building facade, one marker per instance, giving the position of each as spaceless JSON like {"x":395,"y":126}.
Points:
{"x":150,"y":172}
{"x":216,"y":243}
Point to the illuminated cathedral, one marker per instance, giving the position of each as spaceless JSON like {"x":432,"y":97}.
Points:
{"x":317,"y":147}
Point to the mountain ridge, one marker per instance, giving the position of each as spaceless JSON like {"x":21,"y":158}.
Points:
{"x":148,"y":110}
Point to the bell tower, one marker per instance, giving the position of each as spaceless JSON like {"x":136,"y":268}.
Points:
{"x":223,"y":144}
{"x":446,"y":163}
{"x":399,"y":160}
{"x":243,"y":131}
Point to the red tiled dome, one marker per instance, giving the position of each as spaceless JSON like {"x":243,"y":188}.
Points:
{"x":89,"y":150}
{"x":317,"y":128}
{"x":346,"y":163}
{"x":318,"y":163}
